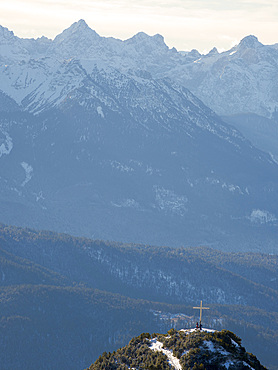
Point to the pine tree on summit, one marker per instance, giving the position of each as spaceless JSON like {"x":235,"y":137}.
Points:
{"x":183,"y":350}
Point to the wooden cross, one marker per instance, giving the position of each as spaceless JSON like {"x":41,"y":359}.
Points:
{"x":201,"y":308}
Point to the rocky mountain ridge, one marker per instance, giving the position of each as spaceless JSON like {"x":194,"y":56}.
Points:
{"x":240,"y":80}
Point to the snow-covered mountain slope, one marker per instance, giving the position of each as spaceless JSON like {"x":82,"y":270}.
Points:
{"x":125,"y":157}
{"x":240,"y":80}
{"x":14,"y":49}
{"x":93,"y":145}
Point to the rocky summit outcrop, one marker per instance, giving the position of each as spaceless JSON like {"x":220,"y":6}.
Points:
{"x":181,"y":350}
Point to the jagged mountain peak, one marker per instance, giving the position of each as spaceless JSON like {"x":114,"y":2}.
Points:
{"x":79,"y":26}
{"x":78,"y":29}
{"x":239,"y":80}
{"x":43,"y":39}
{"x":81,"y":23}
{"x":38,"y":40}
{"x":12,"y":48}
{"x":213,"y":51}
{"x":141,"y":38}
{"x":250,"y":42}
{"x":194,"y":54}
{"x":79,"y":39}
{"x":6,"y":34}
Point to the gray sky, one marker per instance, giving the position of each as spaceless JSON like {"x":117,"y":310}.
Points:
{"x":185,"y":24}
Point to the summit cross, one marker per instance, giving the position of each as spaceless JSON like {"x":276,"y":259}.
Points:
{"x":201,"y":308}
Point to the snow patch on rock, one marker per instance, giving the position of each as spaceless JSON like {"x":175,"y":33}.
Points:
{"x":121,"y":167}
{"x":262,"y":216}
{"x":126,"y":203}
{"x":167,"y":200}
{"x":6,"y":144}
{"x":28,"y":172}
{"x":100,"y":111}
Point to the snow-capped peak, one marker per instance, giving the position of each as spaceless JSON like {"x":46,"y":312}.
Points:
{"x":78,"y":39}
{"x":78,"y":29}
{"x":79,"y":26}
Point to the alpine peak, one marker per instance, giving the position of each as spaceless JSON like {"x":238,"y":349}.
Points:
{"x":80,"y":25}
{"x":250,"y":42}
{"x":143,"y":37}
{"x":213,"y":51}
{"x":78,"y":28}
{"x":6,"y":34}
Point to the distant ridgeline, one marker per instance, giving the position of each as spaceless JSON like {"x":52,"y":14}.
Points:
{"x":181,"y":350}
{"x":66,"y":300}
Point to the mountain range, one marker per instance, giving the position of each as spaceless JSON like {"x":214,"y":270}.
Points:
{"x":130,"y":141}
{"x":240,"y":80}
{"x":102,"y":138}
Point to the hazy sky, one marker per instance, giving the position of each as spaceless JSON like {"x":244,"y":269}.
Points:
{"x":185,"y":24}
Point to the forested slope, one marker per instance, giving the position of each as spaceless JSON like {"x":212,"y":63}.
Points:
{"x":74,"y":298}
